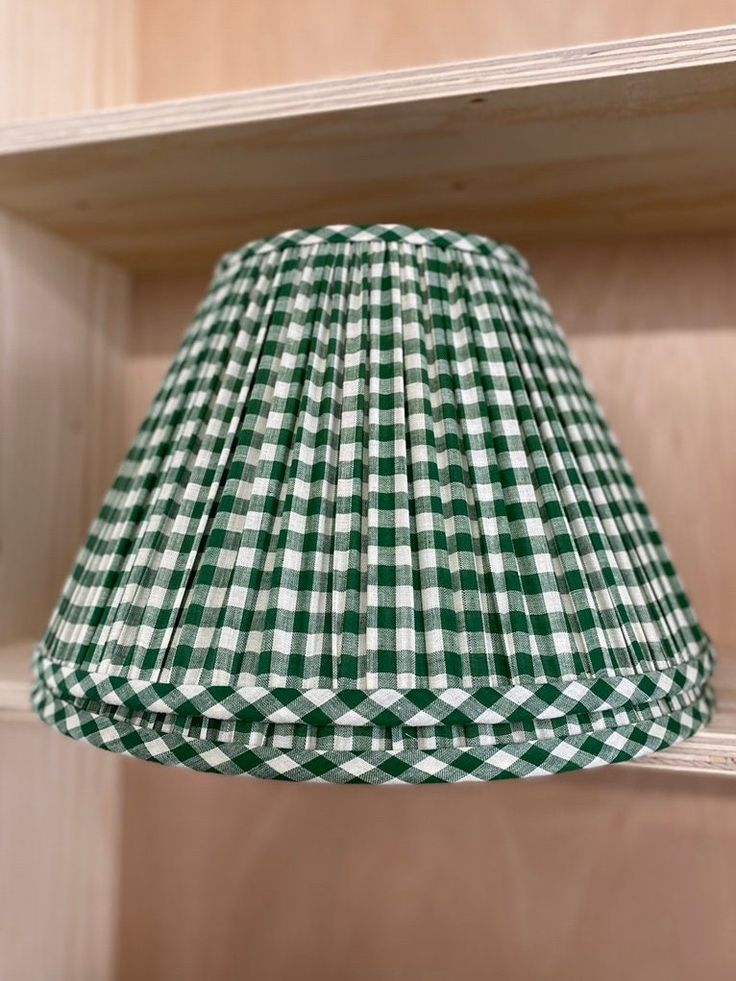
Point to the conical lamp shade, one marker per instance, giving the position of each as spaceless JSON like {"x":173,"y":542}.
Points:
{"x":374,"y":528}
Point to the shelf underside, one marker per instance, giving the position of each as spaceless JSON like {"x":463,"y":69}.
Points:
{"x":712,"y":750}
{"x":632,"y":136}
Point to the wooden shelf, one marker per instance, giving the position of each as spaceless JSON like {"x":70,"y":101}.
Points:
{"x":629,"y":136}
{"x":712,"y":751}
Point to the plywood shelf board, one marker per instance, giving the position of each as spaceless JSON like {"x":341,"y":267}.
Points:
{"x":715,"y":46}
{"x":711,"y":751}
{"x":635,"y":135}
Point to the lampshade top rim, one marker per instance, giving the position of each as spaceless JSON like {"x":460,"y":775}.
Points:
{"x":337,"y":234}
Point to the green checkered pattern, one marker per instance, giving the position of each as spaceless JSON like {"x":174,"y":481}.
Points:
{"x":374,"y":529}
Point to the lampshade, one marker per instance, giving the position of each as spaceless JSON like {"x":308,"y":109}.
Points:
{"x":374,"y":529}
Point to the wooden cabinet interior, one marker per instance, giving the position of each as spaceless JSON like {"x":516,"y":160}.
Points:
{"x":122,"y":870}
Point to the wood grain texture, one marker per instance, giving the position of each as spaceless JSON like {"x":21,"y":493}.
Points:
{"x":633,"y":136}
{"x":60,"y":813}
{"x":63,"y":317}
{"x":188,"y":48}
{"x":65,"y":56}
{"x":604,"y":875}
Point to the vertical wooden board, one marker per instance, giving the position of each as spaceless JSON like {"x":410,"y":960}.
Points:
{"x":592,"y":875}
{"x":60,"y":807}
{"x":191,"y":48}
{"x":63,"y":318}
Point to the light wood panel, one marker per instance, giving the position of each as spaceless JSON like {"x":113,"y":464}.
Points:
{"x":634,"y":136}
{"x":64,"y":56}
{"x":15,"y":680}
{"x":637,"y":285}
{"x":598,"y":875}
{"x":63,"y":317}
{"x":187,"y":47}
{"x":60,"y":813}
{"x":162,"y":307}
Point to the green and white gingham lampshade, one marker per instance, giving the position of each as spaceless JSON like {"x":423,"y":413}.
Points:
{"x":374,"y":529}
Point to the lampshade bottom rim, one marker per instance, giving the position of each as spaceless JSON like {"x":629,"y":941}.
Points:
{"x":618,"y":743}
{"x":526,"y":700}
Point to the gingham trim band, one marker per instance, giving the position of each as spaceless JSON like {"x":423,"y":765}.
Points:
{"x":306,"y":238}
{"x":526,"y":702}
{"x":131,"y":736}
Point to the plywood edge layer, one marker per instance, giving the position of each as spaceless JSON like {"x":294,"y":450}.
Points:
{"x":716,"y":46}
{"x":709,"y":752}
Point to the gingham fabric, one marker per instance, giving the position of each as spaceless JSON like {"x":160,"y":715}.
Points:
{"x":374,"y":529}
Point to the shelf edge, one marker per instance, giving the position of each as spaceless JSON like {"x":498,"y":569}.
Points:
{"x":664,"y":52}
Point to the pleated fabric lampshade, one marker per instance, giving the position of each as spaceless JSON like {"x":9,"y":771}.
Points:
{"x":374,"y":528}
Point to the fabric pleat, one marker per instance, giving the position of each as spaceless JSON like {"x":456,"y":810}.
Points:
{"x":374,"y":528}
